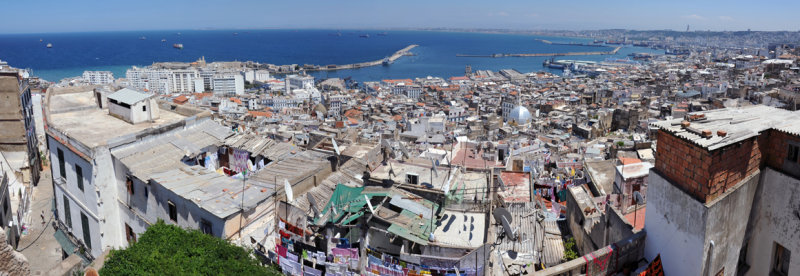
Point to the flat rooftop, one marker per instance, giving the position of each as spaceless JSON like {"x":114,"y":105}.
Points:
{"x":461,"y":229}
{"x":739,"y":123}
{"x":602,"y":173}
{"x":76,"y":115}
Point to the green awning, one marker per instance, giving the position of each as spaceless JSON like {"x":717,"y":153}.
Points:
{"x":402,"y":232}
{"x":65,"y":242}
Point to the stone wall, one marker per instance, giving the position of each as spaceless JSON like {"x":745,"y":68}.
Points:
{"x":12,"y":262}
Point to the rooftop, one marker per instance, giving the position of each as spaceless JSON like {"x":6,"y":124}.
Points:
{"x":461,"y":229}
{"x":738,"y":124}
{"x":129,"y":96}
{"x":215,"y":193}
{"x":75,"y":115}
{"x":602,"y":174}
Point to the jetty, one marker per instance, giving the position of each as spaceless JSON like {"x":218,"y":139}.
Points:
{"x":612,"y":52}
{"x":384,"y":61}
{"x":570,"y":43}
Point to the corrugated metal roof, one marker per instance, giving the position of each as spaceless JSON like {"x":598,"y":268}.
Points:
{"x":165,"y":152}
{"x":129,"y":96}
{"x":739,"y":123}
{"x":215,"y":193}
{"x":536,"y":240}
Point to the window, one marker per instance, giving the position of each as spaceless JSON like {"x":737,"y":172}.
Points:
{"x":129,"y":185}
{"x":146,"y":194}
{"x":129,"y":234}
{"x":79,"y":175}
{"x":205,"y":227}
{"x":144,"y":108}
{"x":794,"y":151}
{"x":61,"y":169}
{"x":67,"y":215}
{"x":412,"y":178}
{"x":173,"y":212}
{"x":87,"y":237}
{"x":780,"y":261}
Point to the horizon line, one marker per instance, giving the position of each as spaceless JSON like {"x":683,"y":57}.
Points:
{"x":459,"y":29}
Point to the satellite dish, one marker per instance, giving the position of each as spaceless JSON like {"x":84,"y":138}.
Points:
{"x":313,"y":203}
{"x":502,"y":184}
{"x":369,"y":204}
{"x":638,"y":197}
{"x":288,"y":189}
{"x":502,"y":215}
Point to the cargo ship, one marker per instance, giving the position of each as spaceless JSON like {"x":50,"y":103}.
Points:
{"x":177,"y":46}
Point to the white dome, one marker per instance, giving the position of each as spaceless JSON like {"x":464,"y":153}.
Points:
{"x":520,"y":114}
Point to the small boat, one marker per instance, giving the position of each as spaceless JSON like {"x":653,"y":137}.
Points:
{"x":142,"y":38}
{"x":177,"y":46}
{"x":163,"y":40}
{"x":235,"y":33}
{"x":49,"y":45}
{"x":364,"y":36}
{"x":40,"y":40}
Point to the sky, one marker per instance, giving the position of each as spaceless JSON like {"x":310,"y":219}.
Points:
{"x":46,"y":16}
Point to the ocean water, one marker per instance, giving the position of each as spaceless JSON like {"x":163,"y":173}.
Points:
{"x":72,"y":53}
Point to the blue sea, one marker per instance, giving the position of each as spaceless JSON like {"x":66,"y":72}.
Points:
{"x":72,"y":53}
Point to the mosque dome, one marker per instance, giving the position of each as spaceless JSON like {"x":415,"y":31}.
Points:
{"x":520,"y":114}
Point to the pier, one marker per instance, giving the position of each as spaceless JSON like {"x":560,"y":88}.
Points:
{"x":571,"y":43}
{"x":612,"y":52}
{"x":388,"y":60}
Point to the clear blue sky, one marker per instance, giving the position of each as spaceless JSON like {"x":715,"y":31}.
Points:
{"x":33,"y":16}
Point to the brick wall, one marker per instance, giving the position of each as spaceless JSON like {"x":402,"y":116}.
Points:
{"x":706,"y":174}
{"x":776,"y":146}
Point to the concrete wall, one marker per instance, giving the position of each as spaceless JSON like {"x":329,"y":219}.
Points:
{"x":675,"y":228}
{"x":587,"y":231}
{"x":80,"y":202}
{"x":680,"y":228}
{"x":725,"y":225}
{"x":604,"y":261}
{"x":774,"y":220}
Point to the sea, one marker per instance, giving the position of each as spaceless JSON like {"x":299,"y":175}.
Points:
{"x":73,"y":53}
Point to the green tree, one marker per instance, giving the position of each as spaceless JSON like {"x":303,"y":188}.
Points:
{"x":570,"y":251}
{"x":170,"y":250}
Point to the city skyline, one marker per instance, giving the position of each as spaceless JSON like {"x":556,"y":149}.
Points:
{"x":84,"y":16}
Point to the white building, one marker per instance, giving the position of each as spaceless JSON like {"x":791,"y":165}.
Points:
{"x":133,"y":106}
{"x":183,"y":80}
{"x":298,"y":82}
{"x":103,"y":166}
{"x":98,"y":77}
{"x":228,"y":84}
{"x":262,"y":75}
{"x":151,"y":80}
{"x":163,"y":81}
{"x":411,"y":91}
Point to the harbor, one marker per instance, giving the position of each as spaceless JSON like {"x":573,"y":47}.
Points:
{"x":384,"y":61}
{"x":593,"y":53}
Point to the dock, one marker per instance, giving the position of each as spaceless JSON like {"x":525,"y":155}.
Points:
{"x":612,"y":52}
{"x":400,"y":53}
